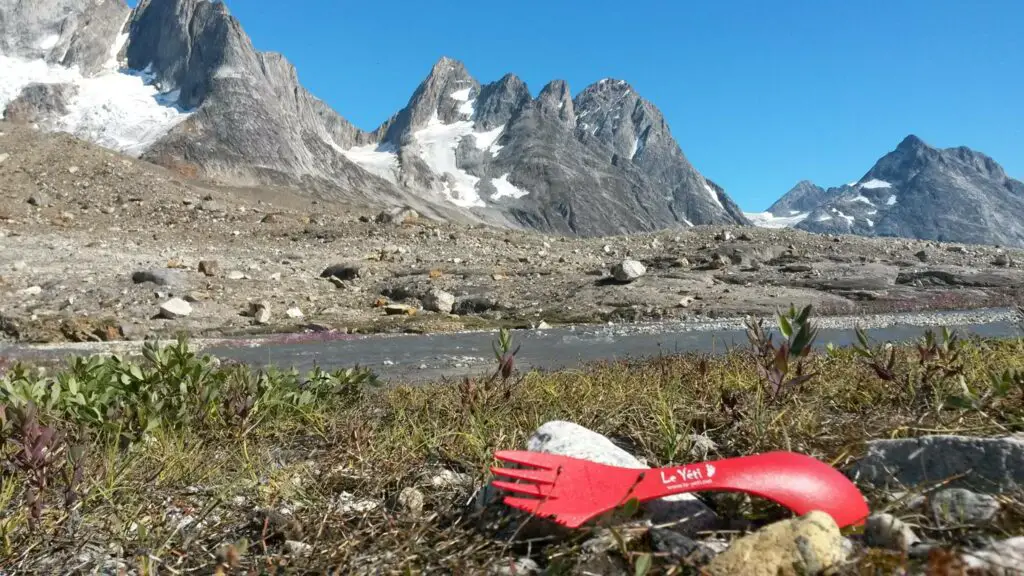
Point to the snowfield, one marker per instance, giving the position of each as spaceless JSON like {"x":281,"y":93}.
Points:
{"x":769,"y":220}
{"x":378,"y":160}
{"x":118,"y":109}
{"x":875,"y":183}
{"x":436,"y":144}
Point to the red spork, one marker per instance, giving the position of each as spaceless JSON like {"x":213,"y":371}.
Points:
{"x":571,"y":491}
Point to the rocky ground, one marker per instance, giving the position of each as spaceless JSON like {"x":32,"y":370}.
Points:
{"x":97,"y":246}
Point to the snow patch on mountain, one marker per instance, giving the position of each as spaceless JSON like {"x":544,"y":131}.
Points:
{"x":506,"y":189}
{"x":638,"y":146}
{"x":488,"y":140}
{"x":769,"y":220}
{"x":436,"y":144}
{"x":462,"y":95}
{"x":380,"y":160}
{"x":713,"y":194}
{"x":48,"y":42}
{"x":467,"y":106}
{"x":861,"y":198}
{"x":121,"y":110}
{"x":849,"y":219}
{"x":875,"y":183}
{"x":119,"y":43}
{"x":891,"y":201}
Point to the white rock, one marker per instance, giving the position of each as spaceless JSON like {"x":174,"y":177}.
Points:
{"x":20,"y":265}
{"x":347,"y":503}
{"x":628,"y":270}
{"x":521,"y":567}
{"x":439,"y":301}
{"x":260,"y":312}
{"x":175,"y":308}
{"x":448,"y":479}
{"x":297,"y":548}
{"x":570,"y":439}
{"x":293,"y":313}
{"x":1003,"y":557}
{"x":31,"y":291}
{"x":887,"y":531}
{"x":235,"y":275}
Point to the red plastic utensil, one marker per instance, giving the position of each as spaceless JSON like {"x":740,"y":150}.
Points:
{"x":570,"y":491}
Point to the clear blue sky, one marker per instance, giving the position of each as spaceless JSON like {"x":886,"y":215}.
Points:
{"x":758,"y":94}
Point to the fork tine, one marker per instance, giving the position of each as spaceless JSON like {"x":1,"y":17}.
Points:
{"x":527,"y":458}
{"x":531,"y":505}
{"x":537,"y":476}
{"x":527,"y":489}
{"x":536,"y":508}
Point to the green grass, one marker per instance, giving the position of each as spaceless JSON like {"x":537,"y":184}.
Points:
{"x":257,"y":459}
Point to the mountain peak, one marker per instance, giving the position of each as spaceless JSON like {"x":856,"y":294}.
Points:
{"x":448,"y":93}
{"x":446,"y":66}
{"x":444,"y":61}
{"x":611,"y":85}
{"x":499,"y":101}
{"x":801,"y":198}
{"x":912,"y":142}
{"x":556,"y":99}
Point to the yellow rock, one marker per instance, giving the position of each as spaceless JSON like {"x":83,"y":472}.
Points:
{"x":800,"y":546}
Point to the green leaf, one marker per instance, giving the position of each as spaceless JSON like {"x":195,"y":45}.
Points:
{"x":960,"y":402}
{"x":630,"y":507}
{"x":136,"y":373}
{"x":643,"y":564}
{"x":785,"y":327}
{"x":54,"y":396}
{"x":804,"y":338}
{"x":804,"y":315}
{"x":862,"y":337}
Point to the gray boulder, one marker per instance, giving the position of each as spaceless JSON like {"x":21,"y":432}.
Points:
{"x":159,"y":276}
{"x":958,"y":506}
{"x":984,"y":465}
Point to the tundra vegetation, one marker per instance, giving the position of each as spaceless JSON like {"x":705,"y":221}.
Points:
{"x":175,"y":462}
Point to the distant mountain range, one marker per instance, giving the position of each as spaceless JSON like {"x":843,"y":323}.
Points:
{"x":915,"y":191}
{"x":179,"y":83}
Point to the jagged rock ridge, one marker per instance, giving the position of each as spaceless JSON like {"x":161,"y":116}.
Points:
{"x":602,"y":162}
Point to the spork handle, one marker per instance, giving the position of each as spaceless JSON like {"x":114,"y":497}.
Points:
{"x":798,"y":482}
